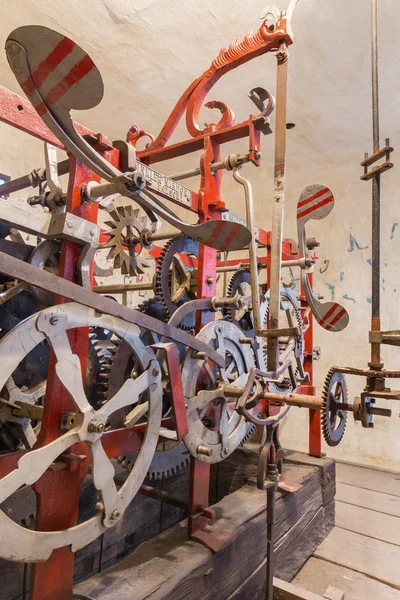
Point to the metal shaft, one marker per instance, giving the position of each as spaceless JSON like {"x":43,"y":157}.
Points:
{"x":271,"y":497}
{"x":121,"y":288}
{"x":278,"y":205}
{"x":24,"y":182}
{"x":376,"y":200}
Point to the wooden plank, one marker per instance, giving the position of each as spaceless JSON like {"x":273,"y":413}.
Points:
{"x":326,"y":466}
{"x":368,"y":522}
{"x":288,"y":591}
{"x":317,"y":575}
{"x":369,"y":479}
{"x":170,"y":567}
{"x":382,"y":503}
{"x":334,"y":594}
{"x":374,"y":558}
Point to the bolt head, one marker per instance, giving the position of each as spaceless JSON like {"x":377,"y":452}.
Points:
{"x":69,"y":225}
{"x":210,"y":280}
{"x":92,"y":232}
{"x":99,"y":506}
{"x":15,"y":48}
{"x":53,"y":320}
{"x":96,"y":427}
{"x":115,"y":515}
{"x":17,"y":70}
{"x":156,"y":371}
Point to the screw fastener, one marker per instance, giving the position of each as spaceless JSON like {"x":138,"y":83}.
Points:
{"x":53,"y":320}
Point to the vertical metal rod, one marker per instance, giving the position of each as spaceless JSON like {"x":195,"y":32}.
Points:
{"x":278,"y":205}
{"x":376,"y":200}
{"x":269,"y":588}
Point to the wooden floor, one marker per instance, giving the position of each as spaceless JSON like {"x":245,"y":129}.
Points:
{"x":361,"y":555}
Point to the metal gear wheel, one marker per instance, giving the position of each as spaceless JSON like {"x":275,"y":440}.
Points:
{"x":243,"y":318}
{"x":215,"y":428}
{"x":127,"y":249}
{"x":333,"y":419}
{"x":26,"y":545}
{"x":239,"y":284}
{"x":287,"y":345}
{"x":175,"y":281}
{"x":170,"y":457}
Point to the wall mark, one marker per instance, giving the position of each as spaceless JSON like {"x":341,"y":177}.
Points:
{"x":326,"y":265}
{"x":393,"y":230}
{"x":347,"y":297}
{"x":355,"y":244}
{"x":331,"y":288}
{"x":341,"y":275}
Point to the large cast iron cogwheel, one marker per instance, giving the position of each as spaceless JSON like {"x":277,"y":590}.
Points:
{"x":174,"y":283}
{"x":333,"y":418}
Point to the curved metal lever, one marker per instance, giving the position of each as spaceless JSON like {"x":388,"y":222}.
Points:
{"x":316,"y":202}
{"x":58,"y":76}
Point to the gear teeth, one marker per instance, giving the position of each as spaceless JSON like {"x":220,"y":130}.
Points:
{"x":164,"y":261}
{"x":333,"y":377}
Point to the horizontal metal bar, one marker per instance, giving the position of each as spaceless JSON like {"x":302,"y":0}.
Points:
{"x":214,"y":167}
{"x":46,"y":281}
{"x":120,"y":288}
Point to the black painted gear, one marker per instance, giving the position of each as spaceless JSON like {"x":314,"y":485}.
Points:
{"x":333,"y":419}
{"x":165,"y":280}
{"x":243,"y":318}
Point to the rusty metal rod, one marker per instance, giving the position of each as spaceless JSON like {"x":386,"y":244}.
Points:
{"x":376,"y":184}
{"x":162,"y":496}
{"x":121,"y":288}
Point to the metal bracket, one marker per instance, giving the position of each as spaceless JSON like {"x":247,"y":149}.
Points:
{"x":174,"y":372}
{"x":391,"y":338}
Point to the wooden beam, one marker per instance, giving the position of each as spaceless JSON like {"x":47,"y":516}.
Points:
{"x":287,"y":591}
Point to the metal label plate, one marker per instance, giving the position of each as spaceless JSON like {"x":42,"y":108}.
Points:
{"x":165,"y":186}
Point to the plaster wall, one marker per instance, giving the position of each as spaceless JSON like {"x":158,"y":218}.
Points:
{"x":149,"y":51}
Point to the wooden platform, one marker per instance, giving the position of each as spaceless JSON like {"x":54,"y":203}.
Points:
{"x":171,"y":567}
{"x":361,"y":555}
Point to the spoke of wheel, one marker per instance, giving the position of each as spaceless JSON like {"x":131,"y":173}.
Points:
{"x":103,"y":476}
{"x":210,"y":373}
{"x":136,"y":414}
{"x":32,"y":465}
{"x":68,"y":369}
{"x":201,"y":401}
{"x":228,"y":372}
{"x":128,"y":394}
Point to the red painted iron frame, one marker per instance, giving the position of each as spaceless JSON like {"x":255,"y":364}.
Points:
{"x":56,"y":509}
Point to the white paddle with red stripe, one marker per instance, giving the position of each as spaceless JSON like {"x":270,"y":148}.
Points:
{"x":316,"y":202}
{"x":58,"y":76}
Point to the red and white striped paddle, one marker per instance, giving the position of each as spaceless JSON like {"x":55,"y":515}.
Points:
{"x":316,"y":202}
{"x":58,"y":76}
